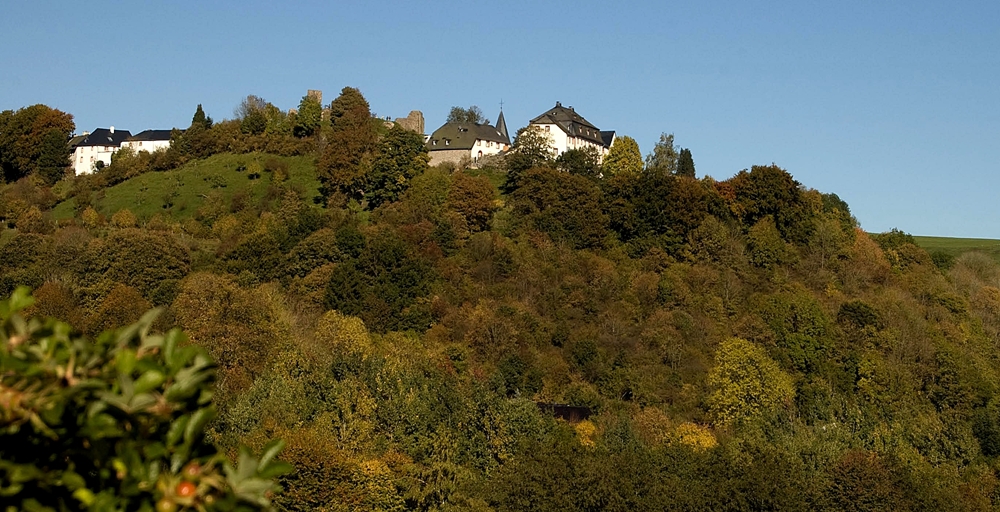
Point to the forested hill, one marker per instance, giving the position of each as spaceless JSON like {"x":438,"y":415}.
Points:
{"x":741,"y":344}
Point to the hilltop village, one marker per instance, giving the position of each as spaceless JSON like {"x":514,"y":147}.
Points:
{"x":322,"y":309}
{"x":458,"y":141}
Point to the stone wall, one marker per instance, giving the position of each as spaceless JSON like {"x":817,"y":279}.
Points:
{"x":455,"y":156}
{"x":413,"y":122}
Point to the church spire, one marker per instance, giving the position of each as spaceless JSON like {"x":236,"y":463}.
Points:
{"x":502,"y":125}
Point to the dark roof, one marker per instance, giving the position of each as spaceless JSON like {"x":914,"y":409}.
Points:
{"x":464,"y":136}
{"x":502,"y":125}
{"x":75,"y":141}
{"x":608,"y":136}
{"x":104,"y":137}
{"x":151,"y":135}
{"x":570,"y":122}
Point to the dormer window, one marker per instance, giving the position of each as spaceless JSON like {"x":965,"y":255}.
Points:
{"x":447,"y":142}
{"x":434,"y":142}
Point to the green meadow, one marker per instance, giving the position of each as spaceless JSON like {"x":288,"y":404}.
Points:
{"x":179,"y":193}
{"x":957,"y":246}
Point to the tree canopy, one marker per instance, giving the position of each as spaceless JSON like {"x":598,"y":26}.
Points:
{"x":664,"y":157}
{"x":623,"y":159}
{"x":30,"y":142}
{"x":472,"y":115}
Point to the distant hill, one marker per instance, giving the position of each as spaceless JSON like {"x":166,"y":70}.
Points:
{"x":179,"y":193}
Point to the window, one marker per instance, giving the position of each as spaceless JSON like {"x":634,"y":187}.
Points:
{"x":447,"y":142}
{"x":434,"y":142}
{"x":546,"y":128}
{"x":479,"y":142}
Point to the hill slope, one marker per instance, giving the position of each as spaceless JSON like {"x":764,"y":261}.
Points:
{"x":180,"y":192}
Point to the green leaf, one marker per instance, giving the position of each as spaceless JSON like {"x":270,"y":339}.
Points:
{"x":141,"y":401}
{"x":276,"y":469}
{"x":149,"y":381}
{"x":20,"y":299}
{"x":177,"y":430}
{"x":84,"y":495}
{"x":72,"y":480}
{"x":270,"y":451}
{"x":125,"y":361}
{"x":198,"y":421}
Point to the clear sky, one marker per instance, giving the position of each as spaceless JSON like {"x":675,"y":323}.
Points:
{"x":891,"y":105}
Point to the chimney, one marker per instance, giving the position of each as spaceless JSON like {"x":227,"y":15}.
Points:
{"x":112,"y":130}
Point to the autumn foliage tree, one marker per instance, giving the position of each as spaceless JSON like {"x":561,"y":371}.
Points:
{"x":33,"y":140}
{"x":747,"y":384}
{"x":347,"y":159}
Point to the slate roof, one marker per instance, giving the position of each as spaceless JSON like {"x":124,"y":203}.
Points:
{"x":502,"y":125}
{"x":75,"y":141}
{"x":104,"y":137}
{"x":464,"y":136}
{"x":608,"y":136}
{"x":570,"y":122}
{"x":151,"y":135}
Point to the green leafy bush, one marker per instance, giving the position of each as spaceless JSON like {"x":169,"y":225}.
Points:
{"x":114,"y":423}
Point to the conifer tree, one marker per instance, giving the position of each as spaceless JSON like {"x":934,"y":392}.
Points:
{"x":200,"y":119}
{"x":685,"y":164}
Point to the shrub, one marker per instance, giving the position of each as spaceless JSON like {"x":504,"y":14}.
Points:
{"x":115,"y":423}
{"x":123,"y":218}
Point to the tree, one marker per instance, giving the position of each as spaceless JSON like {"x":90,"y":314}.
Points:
{"x":350,"y":99}
{"x":747,"y":384}
{"x":308,"y":119}
{"x":114,"y":423}
{"x":566,"y":206}
{"x":249,"y":104}
{"x":28,"y":141}
{"x":200,"y":119}
{"x":532,"y":148}
{"x":347,"y":158}
{"x":53,"y":157}
{"x":655,"y":210}
{"x":685,"y":164}
{"x":770,"y":190}
{"x":624,"y":158}
{"x":663,"y":159}
{"x":584,"y":162}
{"x":401,"y":156}
{"x":473,"y":115}
{"x":254,"y":123}
{"x":474,"y":197}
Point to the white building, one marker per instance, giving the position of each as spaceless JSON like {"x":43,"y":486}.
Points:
{"x":458,"y":142}
{"x":97,"y":146}
{"x":569,"y":130}
{"x":149,"y":140}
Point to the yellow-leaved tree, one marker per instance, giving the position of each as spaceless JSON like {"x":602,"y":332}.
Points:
{"x":746,"y":383}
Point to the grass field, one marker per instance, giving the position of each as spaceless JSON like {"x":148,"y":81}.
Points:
{"x":179,"y":193}
{"x":957,"y":246}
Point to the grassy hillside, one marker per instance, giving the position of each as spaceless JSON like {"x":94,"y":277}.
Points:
{"x":179,"y":193}
{"x":957,"y":246}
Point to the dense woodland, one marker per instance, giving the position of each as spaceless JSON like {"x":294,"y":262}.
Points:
{"x":742,"y":344}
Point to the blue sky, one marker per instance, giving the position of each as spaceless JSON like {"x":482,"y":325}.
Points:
{"x":891,"y":105}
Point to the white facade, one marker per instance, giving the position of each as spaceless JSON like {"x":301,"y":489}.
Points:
{"x":85,"y":158}
{"x":146,"y":145}
{"x":568,"y":130}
